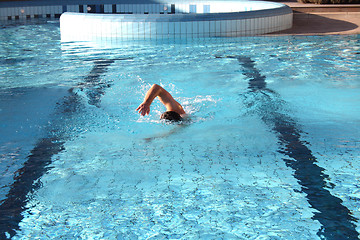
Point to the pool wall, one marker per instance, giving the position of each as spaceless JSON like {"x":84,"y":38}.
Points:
{"x":148,"y":19}
{"x":191,"y":20}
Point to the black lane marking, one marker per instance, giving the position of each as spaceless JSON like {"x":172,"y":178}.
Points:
{"x":336,"y":220}
{"x":24,"y":183}
{"x":37,"y":164}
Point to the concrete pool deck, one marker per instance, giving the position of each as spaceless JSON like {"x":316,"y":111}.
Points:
{"x":323,"y":19}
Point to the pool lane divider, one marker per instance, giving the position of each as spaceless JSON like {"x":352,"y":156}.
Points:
{"x":336,"y":220}
{"x":26,"y":179}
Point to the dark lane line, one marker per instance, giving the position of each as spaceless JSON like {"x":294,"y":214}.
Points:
{"x":336,"y":220}
{"x":37,"y":164}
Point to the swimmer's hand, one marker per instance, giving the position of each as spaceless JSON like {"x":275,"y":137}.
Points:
{"x":143,"y":109}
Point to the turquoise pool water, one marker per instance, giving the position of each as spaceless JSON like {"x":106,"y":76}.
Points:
{"x":271,"y":150}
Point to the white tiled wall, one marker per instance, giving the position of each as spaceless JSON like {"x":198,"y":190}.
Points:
{"x":200,"y":7}
{"x":109,"y":27}
{"x":33,"y":11}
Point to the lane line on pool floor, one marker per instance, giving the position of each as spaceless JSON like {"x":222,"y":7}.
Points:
{"x":337,"y":220}
{"x":26,"y":180}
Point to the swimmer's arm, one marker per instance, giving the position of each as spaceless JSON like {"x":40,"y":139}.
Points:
{"x":152,"y":93}
{"x":164,"y":96}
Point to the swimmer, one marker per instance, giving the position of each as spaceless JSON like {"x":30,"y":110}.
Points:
{"x":174,"y":111}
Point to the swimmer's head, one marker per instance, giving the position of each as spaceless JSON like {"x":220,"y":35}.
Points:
{"x":171,"y":116}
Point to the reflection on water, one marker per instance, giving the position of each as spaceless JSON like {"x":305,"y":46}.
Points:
{"x":103,"y":172}
{"x":337,"y":221}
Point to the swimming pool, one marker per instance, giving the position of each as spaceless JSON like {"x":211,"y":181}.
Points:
{"x":271,"y":150}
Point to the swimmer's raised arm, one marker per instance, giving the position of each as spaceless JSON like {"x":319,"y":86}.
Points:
{"x":164,"y":96}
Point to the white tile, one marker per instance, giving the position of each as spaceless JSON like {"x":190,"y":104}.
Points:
{"x":272,"y":23}
{"x":183,"y":27}
{"x":15,"y":12}
{"x":234,"y":25}
{"x":136,"y":8}
{"x":131,"y":8}
{"x":212,"y":25}
{"x":223,"y":26}
{"x":150,"y":8}
{"x":47,"y":9}
{"x":158,"y":28}
{"x":266,"y":22}
{"x":189,"y":28}
{"x":201,"y":27}
{"x":107,"y":8}
{"x":44,"y":11}
{"x":141,"y":30}
{"x":117,"y":26}
{"x":39,"y":10}
{"x":120,"y":8}
{"x":12,"y":12}
{"x":218,"y":27}
{"x":195,"y":28}
{"x":259,"y":23}
{"x":154,"y":8}
{"x":253,"y":25}
{"x":242,"y":28}
{"x":123,"y":29}
{"x":52,"y":10}
{"x":130,"y":30}
{"x":8,"y":12}
{"x":153,"y":30}
{"x":2,"y":12}
{"x":30,"y":11}
{"x":58,"y":9}
{"x":134,"y":29}
{"x":229,"y":26}
{"x":171,"y":28}
{"x":166,"y":28}
{"x":75,"y":8}
{"x":207,"y":28}
{"x":248,"y":26}
{"x":147,"y":29}
{"x":145,"y":8}
{"x":177,"y":28}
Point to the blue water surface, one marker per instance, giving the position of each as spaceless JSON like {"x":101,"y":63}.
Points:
{"x":270,"y":149}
